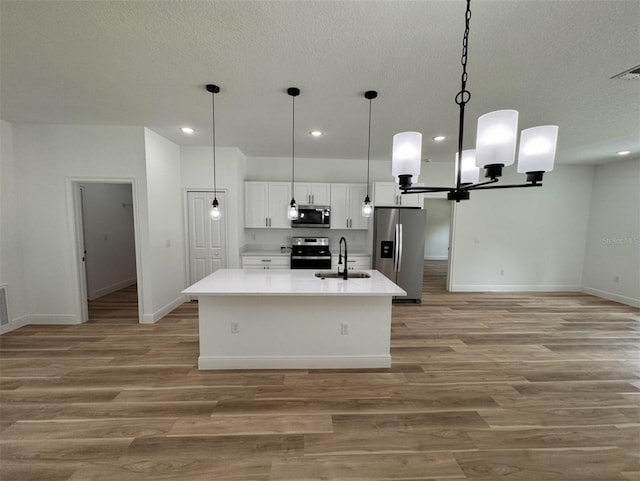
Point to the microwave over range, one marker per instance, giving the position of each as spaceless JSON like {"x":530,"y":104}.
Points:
{"x":313,"y":216}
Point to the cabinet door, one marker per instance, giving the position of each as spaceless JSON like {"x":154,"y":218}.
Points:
{"x":385,"y":194}
{"x":412,"y":200}
{"x":302,"y":193}
{"x":279,"y":198}
{"x":357,"y":193}
{"x":255,"y":204}
{"x":320,"y":194}
{"x":339,"y":206}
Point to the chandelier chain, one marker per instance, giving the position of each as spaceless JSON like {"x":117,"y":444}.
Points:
{"x":464,"y":95}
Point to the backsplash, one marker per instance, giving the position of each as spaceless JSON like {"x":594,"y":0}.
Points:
{"x":274,"y":238}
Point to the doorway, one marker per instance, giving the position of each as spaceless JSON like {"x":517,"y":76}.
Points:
{"x":107,"y":249}
{"x":436,"y":245}
{"x":207,"y":238}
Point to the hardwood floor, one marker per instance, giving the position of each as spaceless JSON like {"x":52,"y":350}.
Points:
{"x":483,"y":386}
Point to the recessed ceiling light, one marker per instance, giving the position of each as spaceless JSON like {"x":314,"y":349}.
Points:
{"x":316,"y":133}
{"x":187,"y":130}
{"x":439,"y":138}
{"x":623,"y":152}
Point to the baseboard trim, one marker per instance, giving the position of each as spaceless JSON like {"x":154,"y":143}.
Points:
{"x":163,"y":311}
{"x":436,"y":258}
{"x":294,"y":362}
{"x":14,"y":324}
{"x":52,"y":319}
{"x":112,"y":288}
{"x":515,"y":288}
{"x":610,"y":296}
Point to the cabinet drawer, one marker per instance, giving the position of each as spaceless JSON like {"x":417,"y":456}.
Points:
{"x":261,"y":262}
{"x":356,"y":263}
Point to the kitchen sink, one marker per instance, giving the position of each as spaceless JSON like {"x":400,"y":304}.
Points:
{"x":335,"y":275}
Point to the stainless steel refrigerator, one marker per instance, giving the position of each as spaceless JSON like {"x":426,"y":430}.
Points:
{"x":398,"y":248}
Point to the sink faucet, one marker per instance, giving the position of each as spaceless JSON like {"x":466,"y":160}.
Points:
{"x":344,"y":271}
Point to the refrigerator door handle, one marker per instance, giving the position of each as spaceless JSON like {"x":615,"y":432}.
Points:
{"x":396,"y":253}
{"x":399,"y":248}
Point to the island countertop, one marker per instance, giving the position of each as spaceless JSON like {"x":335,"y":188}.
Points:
{"x":287,"y":282}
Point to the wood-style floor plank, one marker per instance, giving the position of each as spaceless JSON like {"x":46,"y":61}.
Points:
{"x":483,"y":387}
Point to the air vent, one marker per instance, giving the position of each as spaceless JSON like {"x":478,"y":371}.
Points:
{"x":631,"y":74}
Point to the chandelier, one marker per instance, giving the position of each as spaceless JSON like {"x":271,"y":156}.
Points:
{"x":495,"y":148}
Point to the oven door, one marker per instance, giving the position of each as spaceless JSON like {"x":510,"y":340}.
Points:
{"x":310,"y":262}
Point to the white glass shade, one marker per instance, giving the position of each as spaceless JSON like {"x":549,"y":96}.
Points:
{"x":407,"y":150}
{"x":367,"y":209}
{"x":470,"y":174}
{"x":496,"y":138}
{"x":537,"y":149}
{"x":214,"y":212}
{"x":292,"y":211}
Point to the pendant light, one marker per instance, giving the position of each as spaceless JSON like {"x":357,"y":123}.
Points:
{"x":496,"y":140}
{"x":292,"y":213}
{"x":214,"y":212}
{"x":367,"y":208}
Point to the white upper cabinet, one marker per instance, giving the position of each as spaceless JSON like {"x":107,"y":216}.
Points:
{"x":387,"y":194}
{"x":312,"y":193}
{"x":346,"y":206}
{"x":266,"y":204}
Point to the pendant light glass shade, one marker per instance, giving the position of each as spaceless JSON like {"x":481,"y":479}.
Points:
{"x":496,"y":138}
{"x":367,"y":208}
{"x":292,"y":212}
{"x":469,"y":173}
{"x":407,"y":150}
{"x":214,"y":211}
{"x":537,"y":149}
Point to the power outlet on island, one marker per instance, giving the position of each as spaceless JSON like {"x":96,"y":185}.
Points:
{"x":344,"y":329}
{"x":235,"y":327}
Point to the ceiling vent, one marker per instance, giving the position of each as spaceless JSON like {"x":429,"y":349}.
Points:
{"x":631,"y":74}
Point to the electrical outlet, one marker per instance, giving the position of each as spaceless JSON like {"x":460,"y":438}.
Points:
{"x":616,"y":279}
{"x":502,"y":272}
{"x":235,"y":327}
{"x":168,"y":242}
{"x":344,"y":329}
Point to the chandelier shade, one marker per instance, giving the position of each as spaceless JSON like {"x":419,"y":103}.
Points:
{"x":406,"y":154}
{"x":537,"y":151}
{"x":496,"y":138}
{"x":470,"y":173}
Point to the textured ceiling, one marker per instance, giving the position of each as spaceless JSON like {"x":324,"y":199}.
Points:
{"x":146,"y":63}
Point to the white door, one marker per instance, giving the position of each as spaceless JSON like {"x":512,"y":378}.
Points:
{"x":207,"y":237}
{"x":321,"y":194}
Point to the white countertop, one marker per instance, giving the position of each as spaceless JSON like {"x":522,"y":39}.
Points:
{"x":287,"y":282}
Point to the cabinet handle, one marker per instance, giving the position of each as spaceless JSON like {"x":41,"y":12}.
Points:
{"x":265,"y":260}
{"x":313,"y":198}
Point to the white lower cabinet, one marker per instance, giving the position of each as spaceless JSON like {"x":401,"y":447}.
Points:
{"x":265,"y":262}
{"x":354,"y":262}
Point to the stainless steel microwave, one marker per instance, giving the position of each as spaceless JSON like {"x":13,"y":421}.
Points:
{"x":313,"y":216}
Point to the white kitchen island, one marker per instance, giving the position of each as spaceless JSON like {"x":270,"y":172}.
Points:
{"x":290,"y":319}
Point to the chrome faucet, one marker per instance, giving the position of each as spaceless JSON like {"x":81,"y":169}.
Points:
{"x":345,"y":273}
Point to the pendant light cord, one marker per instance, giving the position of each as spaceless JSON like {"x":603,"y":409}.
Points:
{"x":369,"y":147}
{"x":213,"y":123}
{"x":293,"y":142}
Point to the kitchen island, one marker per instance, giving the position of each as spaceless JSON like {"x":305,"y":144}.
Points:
{"x":290,"y":319}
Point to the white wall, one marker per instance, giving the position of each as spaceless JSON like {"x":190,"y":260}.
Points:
{"x":109,"y":238}
{"x":48,"y":158}
{"x":11,"y":251}
{"x":197,"y":174}
{"x":535,"y":236}
{"x":613,"y":241}
{"x":436,"y":242}
{"x":166,"y":225}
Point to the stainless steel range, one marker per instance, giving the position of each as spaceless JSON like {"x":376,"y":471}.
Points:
{"x":310,"y":253}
